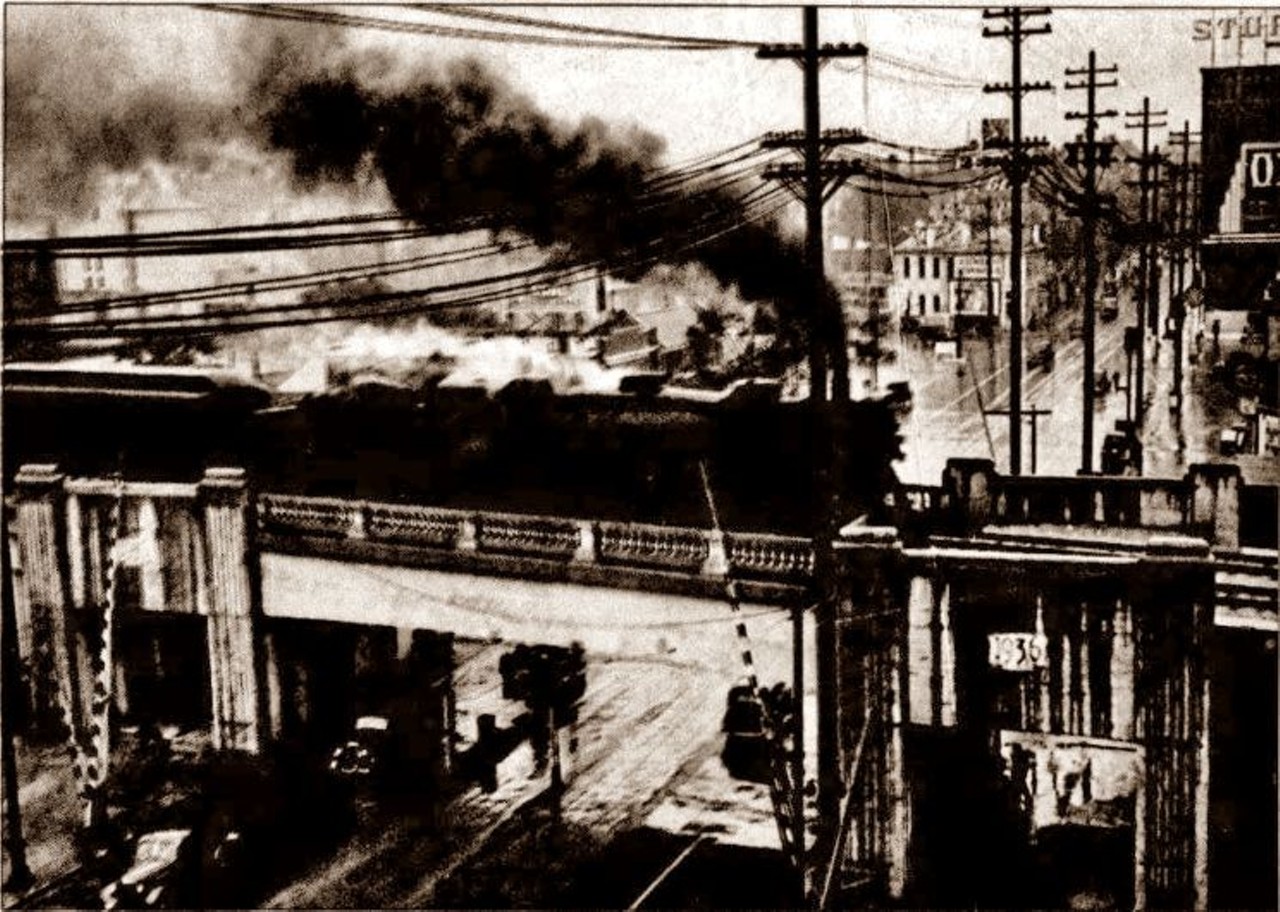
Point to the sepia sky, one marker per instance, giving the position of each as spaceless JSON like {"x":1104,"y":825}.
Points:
{"x":696,"y":101}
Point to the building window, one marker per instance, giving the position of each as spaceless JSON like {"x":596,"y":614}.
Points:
{"x":906,"y":267}
{"x":921,"y":302}
{"x":937,"y":304}
{"x":93,"y":273}
{"x":920,"y":263}
{"x":937,"y":267}
{"x":951,"y":267}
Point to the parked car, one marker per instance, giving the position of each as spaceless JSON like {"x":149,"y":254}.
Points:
{"x":1041,"y":357}
{"x":1231,"y":441}
{"x":1121,"y":454}
{"x":366,"y":755}
{"x":218,"y":833}
{"x":747,"y":744}
{"x":1108,"y":308}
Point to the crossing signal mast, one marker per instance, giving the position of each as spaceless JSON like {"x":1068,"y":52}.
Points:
{"x":1017,"y":166}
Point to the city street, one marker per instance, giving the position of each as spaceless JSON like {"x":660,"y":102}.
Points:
{"x":647,"y":756}
{"x":950,"y":396}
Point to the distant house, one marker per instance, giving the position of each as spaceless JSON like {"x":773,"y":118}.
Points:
{"x":948,"y":275}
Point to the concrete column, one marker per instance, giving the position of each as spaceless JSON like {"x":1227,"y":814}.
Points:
{"x":948,"y":655}
{"x":1086,"y":702}
{"x":1042,"y":673}
{"x":586,"y":550}
{"x":898,"y":825}
{"x":717,"y":562}
{"x":924,"y":670}
{"x":1199,"y":691}
{"x":1215,"y":502}
{"x":39,"y":530}
{"x":1122,"y":708}
{"x":1068,"y":706}
{"x":1140,"y":837}
{"x":233,"y":613}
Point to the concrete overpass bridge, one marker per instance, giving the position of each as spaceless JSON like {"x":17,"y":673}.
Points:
{"x":1025,"y":665}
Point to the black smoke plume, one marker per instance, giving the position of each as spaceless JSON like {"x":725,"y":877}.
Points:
{"x":453,"y":143}
{"x":458,"y":144}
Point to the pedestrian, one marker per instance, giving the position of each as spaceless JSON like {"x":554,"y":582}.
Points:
{"x":1115,"y":380}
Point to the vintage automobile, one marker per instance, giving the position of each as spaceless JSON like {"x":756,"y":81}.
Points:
{"x":1042,"y":357}
{"x":365,"y":757}
{"x":747,"y":742}
{"x":216,"y":834}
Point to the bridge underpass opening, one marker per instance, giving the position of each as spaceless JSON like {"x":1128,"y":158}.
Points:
{"x":324,"y":676}
{"x":659,"y":668}
{"x":1242,"y":787}
{"x":161,"y":670}
{"x":1024,"y":788}
{"x":691,"y":630}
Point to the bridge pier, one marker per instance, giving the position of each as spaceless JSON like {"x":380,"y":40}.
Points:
{"x":237,"y":671}
{"x":38,"y":530}
{"x":1098,"y":719}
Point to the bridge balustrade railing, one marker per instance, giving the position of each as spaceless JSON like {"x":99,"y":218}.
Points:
{"x":762,"y":554}
{"x":651,"y":545}
{"x":536,"y":535}
{"x":326,"y":516}
{"x":413,"y":525}
{"x":690,"y":550}
{"x":1155,"y":503}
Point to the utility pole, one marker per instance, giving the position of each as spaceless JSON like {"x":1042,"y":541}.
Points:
{"x":826,"y":319}
{"x":1181,"y":224}
{"x":1093,"y":155}
{"x":1155,"y":182}
{"x":1017,"y":32}
{"x":991,"y":287}
{"x":1146,"y":121}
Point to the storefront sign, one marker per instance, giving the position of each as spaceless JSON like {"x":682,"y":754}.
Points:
{"x":1072,"y":779}
{"x":1252,"y":201}
{"x":1237,"y":26}
{"x":976,"y":267}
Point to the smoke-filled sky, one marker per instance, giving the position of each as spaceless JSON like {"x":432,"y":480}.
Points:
{"x":112,"y":84}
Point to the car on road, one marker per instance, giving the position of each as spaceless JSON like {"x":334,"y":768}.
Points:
{"x":1042,"y":357}
{"x":1231,"y":441}
{"x":366,"y":755}
{"x":217,"y":833}
{"x":1108,"y":308}
{"x":747,"y":741}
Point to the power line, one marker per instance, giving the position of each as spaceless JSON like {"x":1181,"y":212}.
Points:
{"x":402,"y":26}
{"x":289,"y":282}
{"x":577,"y":28}
{"x":531,"y":277}
{"x":82,"y":242}
{"x":567,"y":276}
